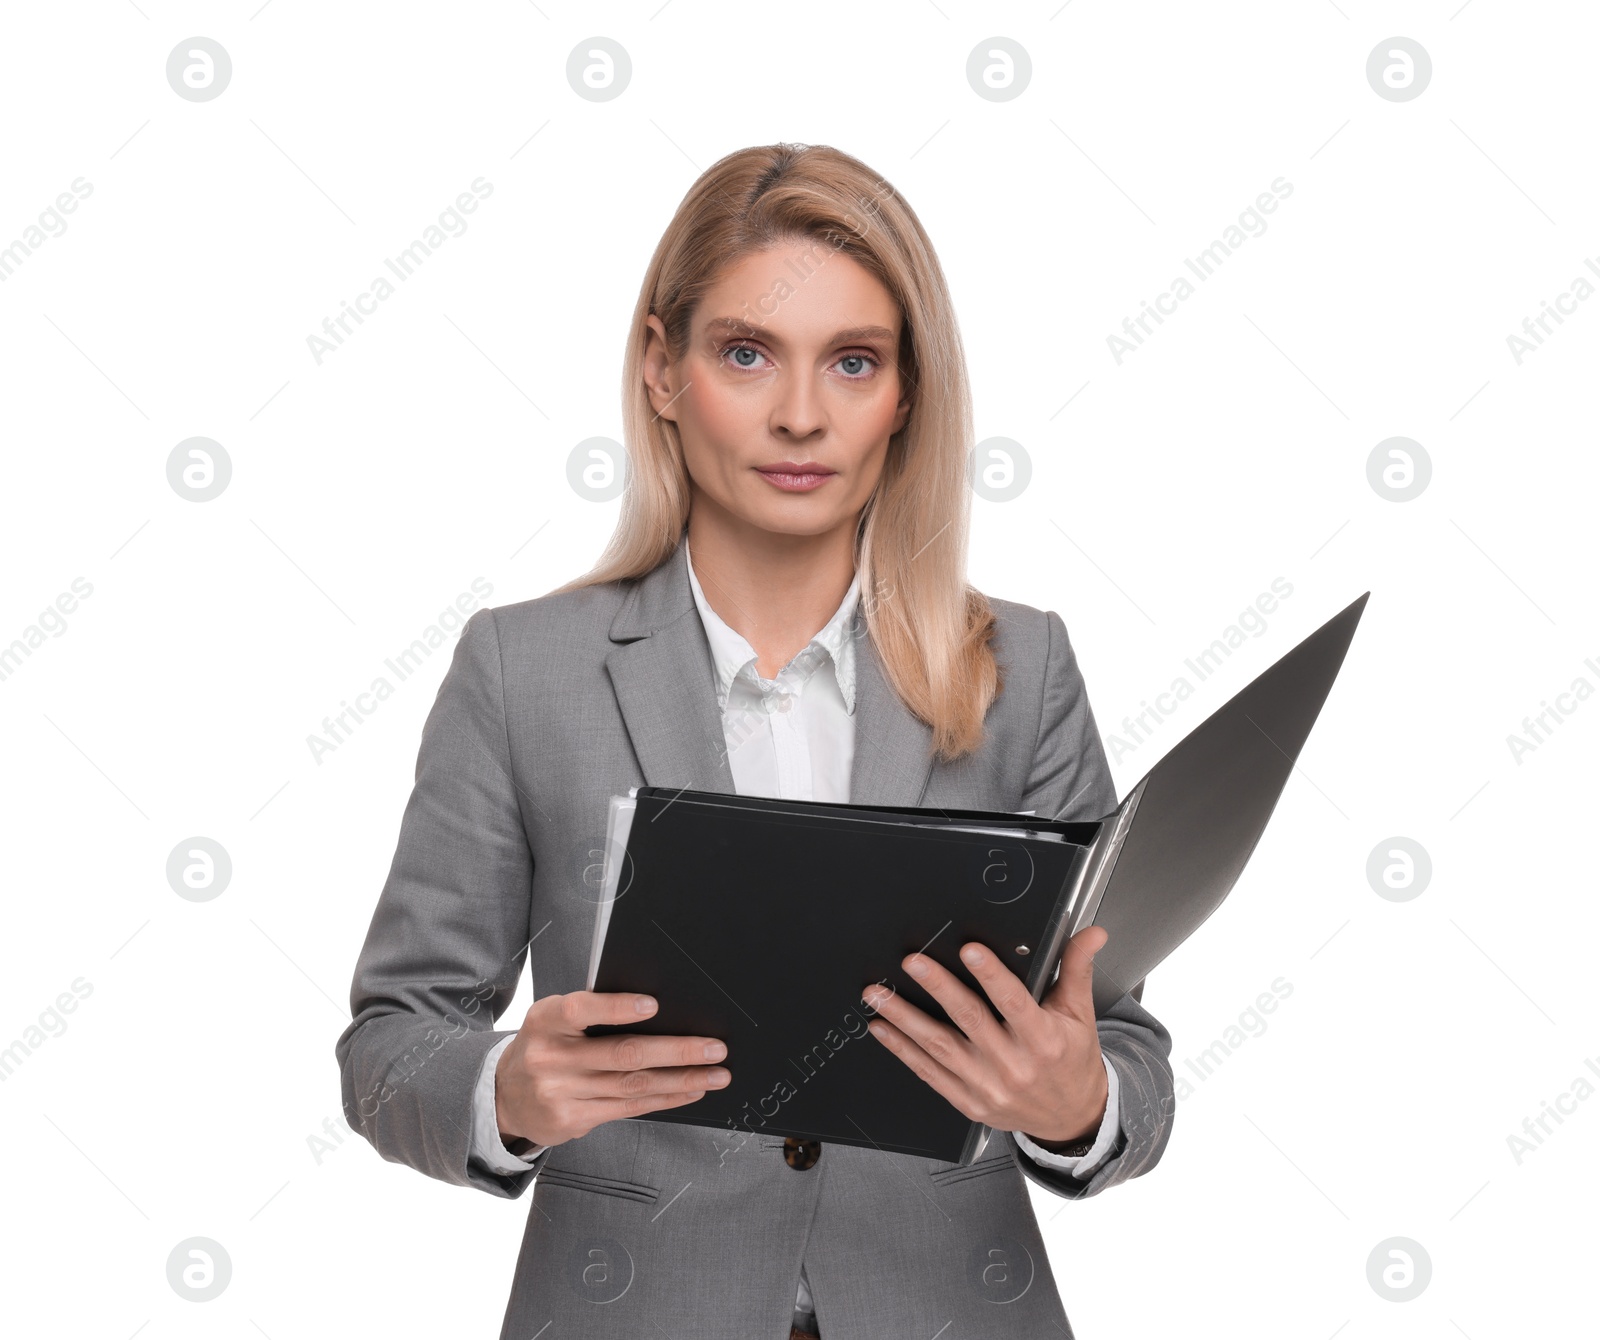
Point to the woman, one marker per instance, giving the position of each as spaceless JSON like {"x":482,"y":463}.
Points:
{"x":781,"y":611}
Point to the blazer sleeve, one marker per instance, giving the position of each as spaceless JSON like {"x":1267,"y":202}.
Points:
{"x":446,"y":943}
{"x":1070,"y":779}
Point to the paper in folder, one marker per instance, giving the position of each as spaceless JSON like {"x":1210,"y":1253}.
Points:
{"x":758,"y":921}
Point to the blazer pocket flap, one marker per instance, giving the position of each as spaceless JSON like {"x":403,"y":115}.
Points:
{"x":978,"y":1168}
{"x":605,"y":1186}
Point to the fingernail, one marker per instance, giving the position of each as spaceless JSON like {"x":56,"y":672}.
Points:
{"x":972,"y":955}
{"x":644,"y":1004}
{"x":719,"y":1076}
{"x":916,"y":967}
{"x":715,"y":1051}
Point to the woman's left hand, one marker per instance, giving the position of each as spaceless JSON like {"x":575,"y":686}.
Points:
{"x":1036,"y":1070}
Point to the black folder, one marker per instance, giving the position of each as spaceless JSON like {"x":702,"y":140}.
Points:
{"x":759,"y":921}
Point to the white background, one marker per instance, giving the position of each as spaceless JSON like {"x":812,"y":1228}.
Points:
{"x":369,"y":491}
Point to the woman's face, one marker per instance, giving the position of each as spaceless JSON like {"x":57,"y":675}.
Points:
{"x":790,"y":361}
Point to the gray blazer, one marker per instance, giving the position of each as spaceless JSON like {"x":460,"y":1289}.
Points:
{"x":549,"y":707}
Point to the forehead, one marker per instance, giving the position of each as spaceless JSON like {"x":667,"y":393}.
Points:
{"x":803,"y":290}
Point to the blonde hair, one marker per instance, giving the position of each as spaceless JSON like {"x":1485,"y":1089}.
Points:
{"x":930,"y":628}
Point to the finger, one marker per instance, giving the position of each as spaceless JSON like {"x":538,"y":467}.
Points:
{"x":627,"y":1051}
{"x":967,"y":1009}
{"x":947,"y":1046}
{"x":1009,"y":992}
{"x":578,"y":1009}
{"x":658,"y":1080}
{"x":644,"y":1051}
{"x":1073,"y":992}
{"x":923,"y":1066}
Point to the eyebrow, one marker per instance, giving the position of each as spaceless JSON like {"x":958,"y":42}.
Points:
{"x":733,"y":325}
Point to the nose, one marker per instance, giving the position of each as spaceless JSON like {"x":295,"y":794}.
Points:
{"x":797,"y":410}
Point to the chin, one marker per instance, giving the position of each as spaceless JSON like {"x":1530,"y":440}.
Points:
{"x":797,"y":526}
{"x":797,"y":518}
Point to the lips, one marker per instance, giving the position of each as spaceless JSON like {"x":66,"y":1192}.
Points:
{"x":796,"y":476}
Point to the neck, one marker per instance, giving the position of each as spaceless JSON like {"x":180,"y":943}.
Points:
{"x":775,"y":590}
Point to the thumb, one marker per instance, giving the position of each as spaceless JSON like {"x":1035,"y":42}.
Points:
{"x":1074,"y":988}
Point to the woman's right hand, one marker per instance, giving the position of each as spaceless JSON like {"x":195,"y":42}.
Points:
{"x":555,"y":1083}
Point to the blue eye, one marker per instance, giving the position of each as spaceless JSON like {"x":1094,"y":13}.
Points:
{"x":865,"y":362}
{"x":744,"y":349}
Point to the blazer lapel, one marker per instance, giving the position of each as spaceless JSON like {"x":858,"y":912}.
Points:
{"x":663,"y":677}
{"x":893,"y":757}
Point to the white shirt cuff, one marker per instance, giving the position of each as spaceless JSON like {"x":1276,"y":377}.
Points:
{"x":487,"y":1146}
{"x":1081,"y":1168}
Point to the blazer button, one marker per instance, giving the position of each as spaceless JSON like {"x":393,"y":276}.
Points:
{"x":801,"y":1154}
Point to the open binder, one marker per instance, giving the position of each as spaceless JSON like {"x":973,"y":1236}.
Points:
{"x":758,"y":921}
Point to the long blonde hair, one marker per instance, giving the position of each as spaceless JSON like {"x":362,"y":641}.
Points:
{"x":931,"y":628}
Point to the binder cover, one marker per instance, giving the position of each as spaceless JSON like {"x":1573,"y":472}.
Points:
{"x":758,"y":921}
{"x":1181,"y":837}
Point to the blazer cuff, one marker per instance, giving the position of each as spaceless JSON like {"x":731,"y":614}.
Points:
{"x":487,"y":1146}
{"x":1083,"y":1166}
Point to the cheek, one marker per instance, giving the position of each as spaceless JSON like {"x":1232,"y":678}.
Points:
{"x":717,"y":417}
{"x":875,"y":425}
{"x":875,"y":417}
{"x":886,"y":412}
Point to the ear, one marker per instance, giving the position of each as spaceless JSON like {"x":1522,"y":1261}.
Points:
{"x":901,"y":414}
{"x":658,"y":371}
